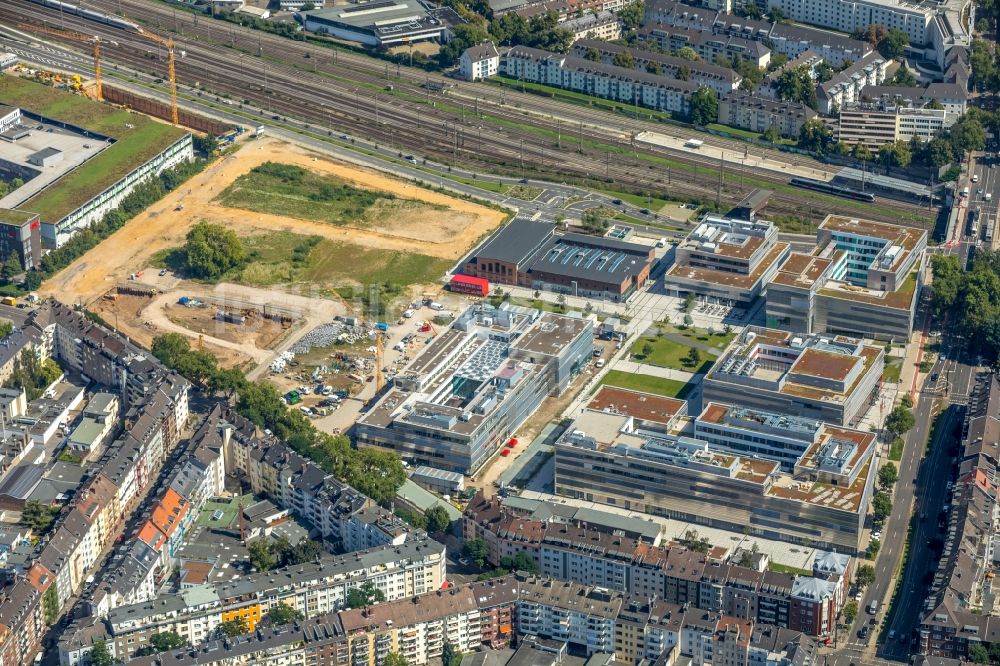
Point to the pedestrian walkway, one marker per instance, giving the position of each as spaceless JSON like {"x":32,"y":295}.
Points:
{"x":654,"y":370}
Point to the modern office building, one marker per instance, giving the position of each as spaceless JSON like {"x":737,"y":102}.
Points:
{"x":875,"y":125}
{"x":20,"y":234}
{"x":863,"y":279}
{"x":720,"y":470}
{"x":726,"y":259}
{"x":835,"y":380}
{"x":458,"y":402}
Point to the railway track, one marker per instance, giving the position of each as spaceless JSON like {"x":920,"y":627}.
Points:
{"x":325,"y":89}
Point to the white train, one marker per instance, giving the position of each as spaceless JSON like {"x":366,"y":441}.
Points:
{"x":89,"y":14}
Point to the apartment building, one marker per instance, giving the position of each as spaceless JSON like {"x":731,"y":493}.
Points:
{"x":952,"y":96}
{"x":720,"y":79}
{"x":603,"y":25}
{"x":709,"y":46}
{"x":313,"y":588}
{"x":726,"y":259}
{"x":791,"y":40}
{"x":759,"y":114}
{"x":715,"y":582}
{"x":596,"y":78}
{"x":457,"y":403}
{"x":156,"y":409}
{"x":845,"y":87}
{"x":958,"y":611}
{"x":833,"y":380}
{"x":863,"y":279}
{"x":479,"y":62}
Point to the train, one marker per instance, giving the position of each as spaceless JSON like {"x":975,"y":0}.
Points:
{"x":89,"y":14}
{"x":836,"y":190}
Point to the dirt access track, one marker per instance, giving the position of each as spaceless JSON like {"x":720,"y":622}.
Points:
{"x":440,"y":233}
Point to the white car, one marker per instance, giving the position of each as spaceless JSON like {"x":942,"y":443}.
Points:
{"x":876,"y":535}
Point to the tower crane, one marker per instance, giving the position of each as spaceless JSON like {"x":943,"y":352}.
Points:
{"x":72,"y":35}
{"x":167,"y":43}
{"x":379,"y":355}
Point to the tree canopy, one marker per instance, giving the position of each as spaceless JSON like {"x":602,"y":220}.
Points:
{"x":969,"y":301}
{"x":797,"y":85}
{"x":283,"y":614}
{"x":704,"y":106}
{"x":212,"y":250}
{"x":366,"y":595}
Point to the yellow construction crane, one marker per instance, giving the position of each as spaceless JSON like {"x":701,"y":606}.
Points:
{"x":94,"y":40}
{"x":167,"y":43}
{"x":379,"y":349}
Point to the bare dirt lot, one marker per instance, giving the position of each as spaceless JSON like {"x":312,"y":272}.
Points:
{"x":434,"y":232}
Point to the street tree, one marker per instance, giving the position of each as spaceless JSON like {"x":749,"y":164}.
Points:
{"x":882,"y":506}
{"x":100,"y":655}
{"x":437,"y":519}
{"x":865,"y":576}
{"x":887,"y":476}
{"x":900,"y":420}
{"x":850,"y":612}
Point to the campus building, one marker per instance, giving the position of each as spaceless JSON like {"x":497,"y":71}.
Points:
{"x":729,"y":468}
{"x":726,"y":259}
{"x":457,"y":403}
{"x":533,"y":255}
{"x":863,"y":279}
{"x":834,"y":380}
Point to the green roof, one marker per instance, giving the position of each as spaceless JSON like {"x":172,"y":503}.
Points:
{"x":138,"y":139}
{"x":11,"y":216}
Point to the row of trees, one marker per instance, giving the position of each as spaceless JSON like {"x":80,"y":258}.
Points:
{"x":376,"y":473}
{"x":968,"y":302}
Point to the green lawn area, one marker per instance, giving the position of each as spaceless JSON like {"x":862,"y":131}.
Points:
{"x":134,"y":145}
{"x":746,"y":134}
{"x":784,"y":568}
{"x":538,"y":304}
{"x":283,"y":189}
{"x":652,"y":203}
{"x":892,"y":370}
{"x":896,"y":449}
{"x":646,"y":383}
{"x":718,"y":340}
{"x":669,"y":353}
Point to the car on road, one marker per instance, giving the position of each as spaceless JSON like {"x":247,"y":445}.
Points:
{"x":464,"y":562}
{"x":617,"y":202}
{"x":863,"y":632}
{"x":163,"y":272}
{"x":934,"y":377}
{"x":644,"y":211}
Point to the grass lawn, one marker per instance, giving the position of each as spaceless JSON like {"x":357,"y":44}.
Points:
{"x":669,"y":353}
{"x":647,"y":383}
{"x":538,"y":304}
{"x":652,"y":203}
{"x":892,"y":370}
{"x":282,"y":189}
{"x":784,"y":568}
{"x":133,"y":147}
{"x":896,"y":449}
{"x":790,"y":224}
{"x":718,"y":340}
